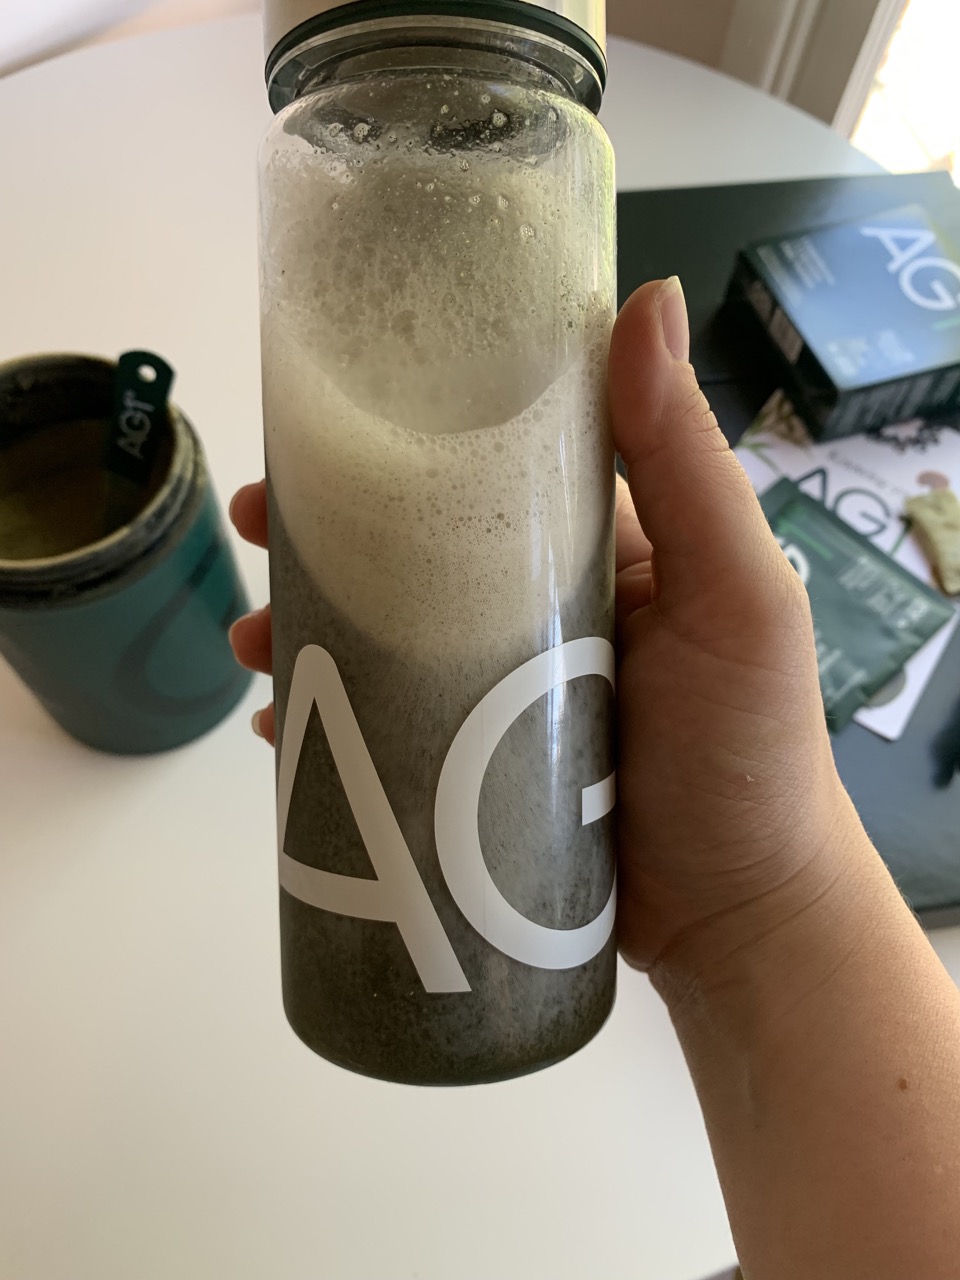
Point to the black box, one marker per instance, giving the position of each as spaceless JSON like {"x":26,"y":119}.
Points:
{"x":864,"y":317}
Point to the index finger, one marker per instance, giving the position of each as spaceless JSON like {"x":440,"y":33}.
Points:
{"x":633,"y":546}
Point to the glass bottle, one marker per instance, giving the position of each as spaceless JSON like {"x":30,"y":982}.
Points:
{"x":438,"y":284}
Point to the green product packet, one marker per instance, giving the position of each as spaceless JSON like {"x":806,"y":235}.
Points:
{"x":870,"y":615}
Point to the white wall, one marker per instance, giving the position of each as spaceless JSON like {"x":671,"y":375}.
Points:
{"x":694,"y":28}
{"x":821,"y":55}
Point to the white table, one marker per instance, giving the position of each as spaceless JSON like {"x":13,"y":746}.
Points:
{"x":158,"y":1118}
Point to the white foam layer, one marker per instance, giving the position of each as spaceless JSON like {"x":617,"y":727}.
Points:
{"x":435,"y":332}
{"x":423,"y":538}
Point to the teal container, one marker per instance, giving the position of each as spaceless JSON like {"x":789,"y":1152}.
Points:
{"x":115,"y":598}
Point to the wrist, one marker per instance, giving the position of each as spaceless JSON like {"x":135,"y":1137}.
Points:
{"x":770,"y":952}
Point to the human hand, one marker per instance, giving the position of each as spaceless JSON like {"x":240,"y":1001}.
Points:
{"x":821,"y":1031}
{"x":730,"y":808}
{"x":252,"y":635}
{"x":726,"y":783}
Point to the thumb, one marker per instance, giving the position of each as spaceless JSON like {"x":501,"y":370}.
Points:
{"x":711,"y":542}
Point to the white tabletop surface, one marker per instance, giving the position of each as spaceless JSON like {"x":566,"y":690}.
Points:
{"x":157,"y":1117}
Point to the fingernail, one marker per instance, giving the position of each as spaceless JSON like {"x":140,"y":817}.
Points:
{"x":255,"y":723}
{"x":673,"y":318}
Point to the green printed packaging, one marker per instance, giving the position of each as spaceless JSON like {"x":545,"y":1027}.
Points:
{"x":862,"y":317}
{"x":870,"y":615}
